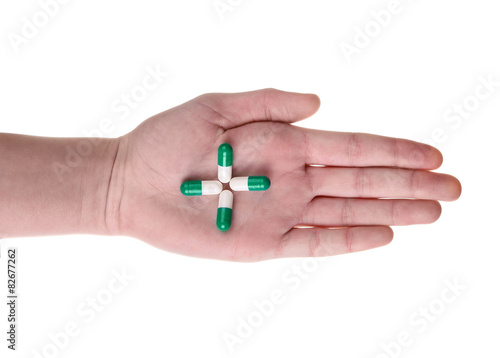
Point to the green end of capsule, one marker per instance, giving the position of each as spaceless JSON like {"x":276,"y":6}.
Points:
{"x":258,"y":183}
{"x":224,"y":218}
{"x":191,"y":188}
{"x":225,"y":155}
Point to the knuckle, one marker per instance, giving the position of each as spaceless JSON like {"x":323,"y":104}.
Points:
{"x":361,"y":182}
{"x":348,"y":213}
{"x":395,"y":212}
{"x":315,"y":243}
{"x":354,"y":149}
{"x":349,"y":237}
{"x":413,"y":183}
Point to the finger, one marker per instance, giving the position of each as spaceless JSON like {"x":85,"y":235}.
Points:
{"x":383,"y":183}
{"x":324,"y":211}
{"x":362,"y":149}
{"x":235,"y":109}
{"x":317,"y":242}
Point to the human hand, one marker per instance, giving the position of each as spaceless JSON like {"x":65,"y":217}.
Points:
{"x":145,"y":202}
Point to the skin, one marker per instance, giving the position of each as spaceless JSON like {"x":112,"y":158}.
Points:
{"x":130,"y":185}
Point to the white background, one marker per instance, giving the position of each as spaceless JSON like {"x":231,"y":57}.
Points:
{"x":427,"y":59}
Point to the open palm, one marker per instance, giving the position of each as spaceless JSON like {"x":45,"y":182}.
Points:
{"x":331,"y":182}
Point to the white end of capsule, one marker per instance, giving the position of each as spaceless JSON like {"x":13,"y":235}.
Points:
{"x":239,"y":184}
{"x":226,"y":199}
{"x":225,"y":173}
{"x":210,"y":187}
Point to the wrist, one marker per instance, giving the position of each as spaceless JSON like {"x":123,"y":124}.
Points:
{"x":54,"y":186}
{"x":111,"y":185}
{"x":87,"y":186}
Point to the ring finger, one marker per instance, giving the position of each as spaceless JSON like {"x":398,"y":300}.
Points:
{"x":342,"y":212}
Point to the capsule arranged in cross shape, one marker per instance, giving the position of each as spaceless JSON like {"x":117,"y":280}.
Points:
{"x":225,"y":161}
{"x":225,"y":210}
{"x":255,"y":183}
{"x":201,"y":187}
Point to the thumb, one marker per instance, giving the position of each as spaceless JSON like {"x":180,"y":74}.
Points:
{"x":235,"y":109}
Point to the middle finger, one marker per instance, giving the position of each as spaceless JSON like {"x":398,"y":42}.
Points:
{"x":382,"y":183}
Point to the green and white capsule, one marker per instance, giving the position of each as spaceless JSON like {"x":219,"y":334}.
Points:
{"x":257,"y":183}
{"x":225,"y":210}
{"x":199,"y":187}
{"x":225,"y":161}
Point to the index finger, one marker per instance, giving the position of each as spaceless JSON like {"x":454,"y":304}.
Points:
{"x":364,"y":150}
